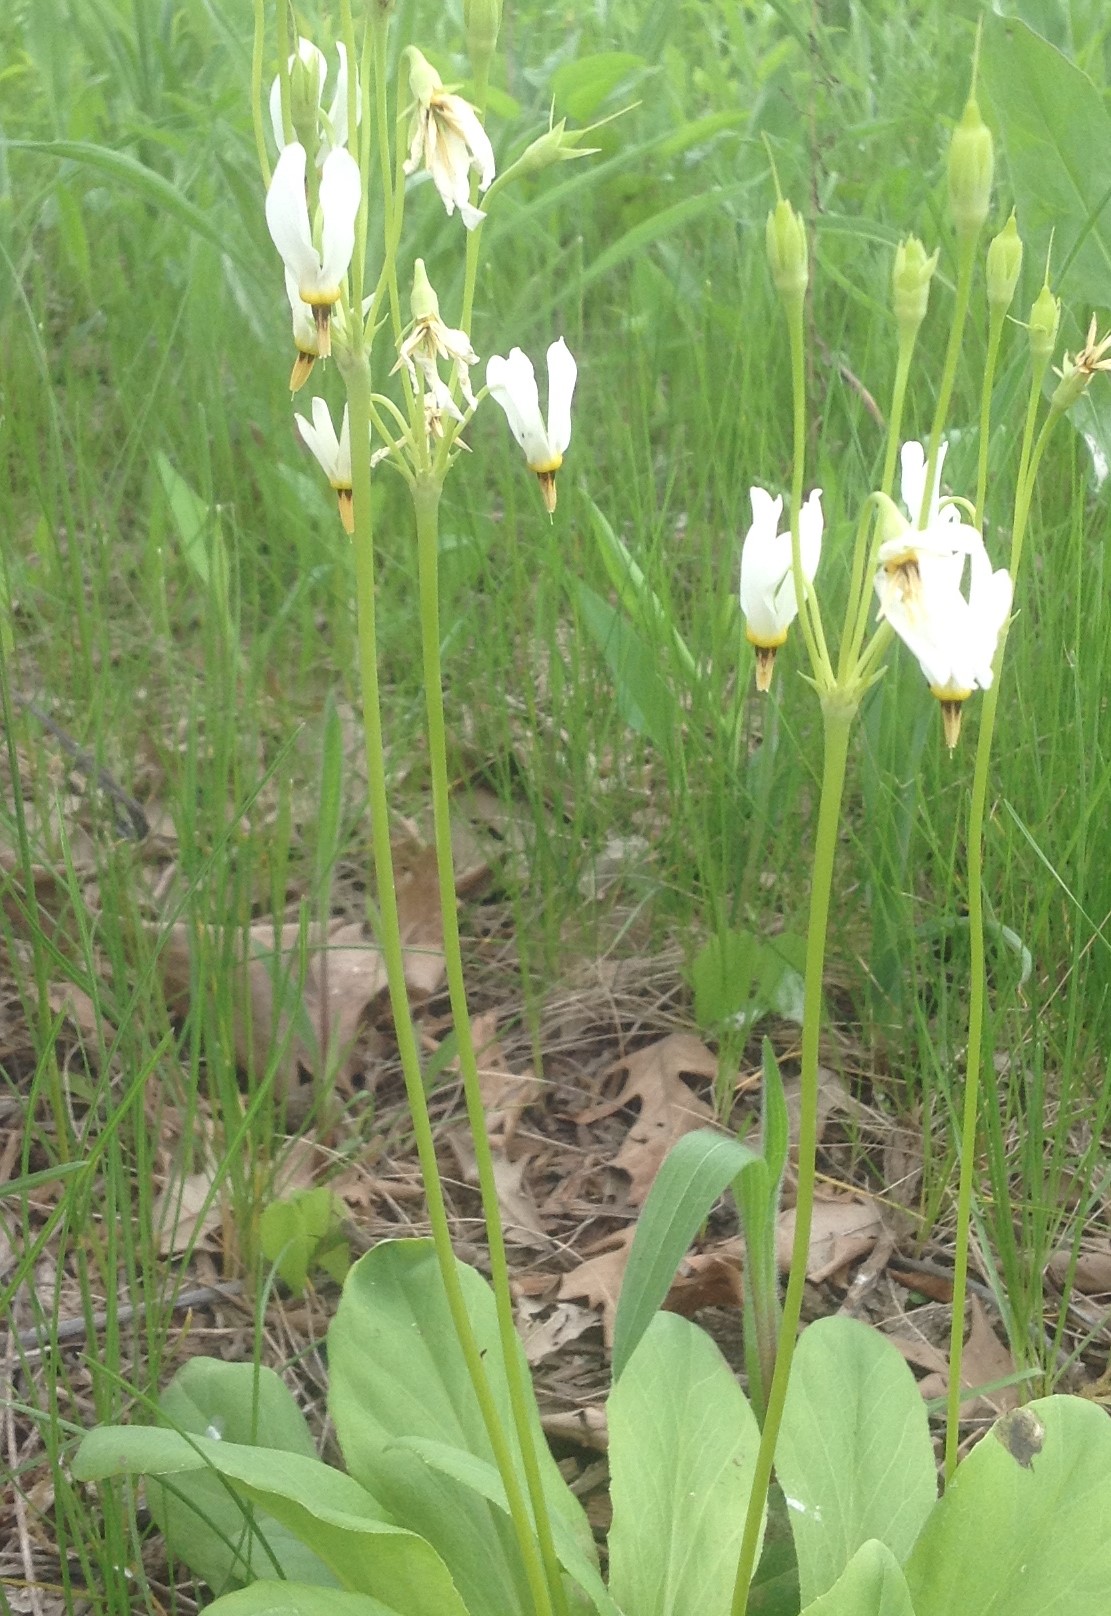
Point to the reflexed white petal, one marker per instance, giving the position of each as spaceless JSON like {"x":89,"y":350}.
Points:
{"x":512,"y":382}
{"x":287,"y":216}
{"x":341,"y":190}
{"x":768,"y":598}
{"x":312,"y":57}
{"x":450,"y":166}
{"x":470,"y":127}
{"x":320,"y":436}
{"x":471,"y":216}
{"x":343,"y":453}
{"x":562,"y":375}
{"x":954,"y":638}
{"x":304,"y":324}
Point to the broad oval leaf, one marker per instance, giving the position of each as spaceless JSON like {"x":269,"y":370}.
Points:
{"x":397,"y":1371}
{"x":298,"y":1599}
{"x":854,"y":1457}
{"x":1023,"y":1527}
{"x":872,"y":1584}
{"x":683,"y":1444}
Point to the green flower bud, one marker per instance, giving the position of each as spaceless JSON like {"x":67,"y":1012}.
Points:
{"x":423,"y":302}
{"x":1004,"y":265}
{"x":481,"y":21}
{"x":424,"y":80}
{"x":556,"y":145}
{"x":910,"y":284}
{"x":304,"y":92}
{"x":787,"y":253}
{"x":971,"y":166}
{"x":1045,"y":317}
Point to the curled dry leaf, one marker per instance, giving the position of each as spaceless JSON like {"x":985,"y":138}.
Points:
{"x":843,"y":1230}
{"x":668,"y":1106}
{"x":599,"y":1278}
{"x":505,"y":1094}
{"x":304,"y":991}
{"x":1092,"y":1274}
{"x":984,"y":1360}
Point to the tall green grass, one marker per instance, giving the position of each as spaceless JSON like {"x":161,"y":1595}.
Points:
{"x":142,"y":324}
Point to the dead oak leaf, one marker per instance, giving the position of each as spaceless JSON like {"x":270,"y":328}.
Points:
{"x":304,"y":990}
{"x":668,"y":1107}
{"x":843,"y":1229}
{"x":598,"y":1279}
{"x":984,"y":1360}
{"x":505,"y":1093}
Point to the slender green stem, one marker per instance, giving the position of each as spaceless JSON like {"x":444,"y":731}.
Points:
{"x":257,"y":51}
{"x":965,"y":266}
{"x":837,"y":718}
{"x":995,"y":336}
{"x":810,"y":619}
{"x":426,"y":504}
{"x":1028,"y":464}
{"x":357,"y":377}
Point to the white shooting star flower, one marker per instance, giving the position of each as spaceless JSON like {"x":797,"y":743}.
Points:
{"x":512,"y":382}
{"x":309,"y":74}
{"x":768,"y":598}
{"x":953,"y":636}
{"x":429,"y":340}
{"x":319,"y":274}
{"x":447,"y":138}
{"x":333,"y":455}
{"x":941,"y":535}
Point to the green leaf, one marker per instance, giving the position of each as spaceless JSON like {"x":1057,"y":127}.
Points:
{"x":1023,"y":1527}
{"x":695,"y":1172}
{"x":303,"y":1231}
{"x":854,"y":1459}
{"x":299,"y":1599}
{"x":341,"y":1520}
{"x":634,"y":591}
{"x":1057,"y":134}
{"x":872,"y":1584}
{"x":397,"y":1371}
{"x":146,"y":183}
{"x":202,"y":1521}
{"x":643,"y":699}
{"x":482,"y":1477}
{"x":580,"y":86}
{"x":683,"y":1444}
{"x":738,"y":977}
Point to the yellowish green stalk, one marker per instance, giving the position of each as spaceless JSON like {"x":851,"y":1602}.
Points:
{"x":966,"y":263}
{"x":357,"y":377}
{"x":837,"y":720}
{"x":426,"y":504}
{"x":1028,"y":464}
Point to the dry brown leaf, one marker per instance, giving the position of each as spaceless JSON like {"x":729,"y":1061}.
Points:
{"x":708,"y":1279}
{"x":523,"y":1222}
{"x":668,"y":1108}
{"x":79,"y":1010}
{"x":316,"y":1020}
{"x":599,"y":1278}
{"x":504,"y":1094}
{"x":180,"y":1212}
{"x":985,"y":1359}
{"x":843,"y":1230}
{"x":564,"y":1324}
{"x":1092,"y":1275}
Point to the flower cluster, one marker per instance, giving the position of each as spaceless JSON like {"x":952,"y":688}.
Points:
{"x":312,"y":211}
{"x":919,"y":583}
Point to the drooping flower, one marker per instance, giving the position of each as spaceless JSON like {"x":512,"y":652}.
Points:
{"x":308,"y":71}
{"x":447,"y":138}
{"x":928,"y":529}
{"x":512,"y":382}
{"x":953,"y":636}
{"x":333,"y":455}
{"x":768,"y":599}
{"x":306,"y":337}
{"x":319,"y":273}
{"x":429,"y":340}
